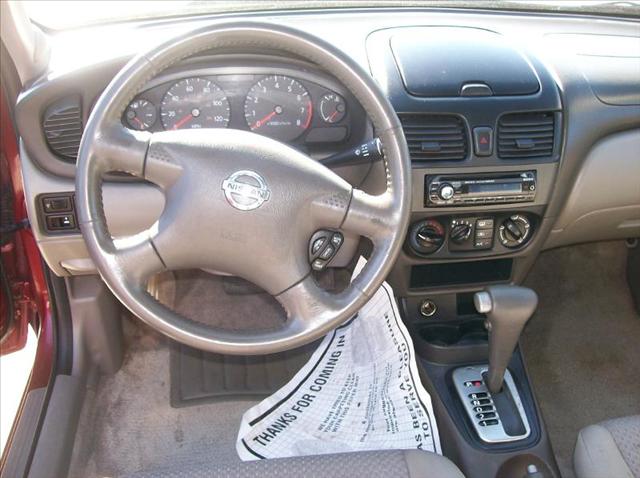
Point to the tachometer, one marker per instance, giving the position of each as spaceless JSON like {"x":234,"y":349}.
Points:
{"x":195,"y":103}
{"x":279,"y":107}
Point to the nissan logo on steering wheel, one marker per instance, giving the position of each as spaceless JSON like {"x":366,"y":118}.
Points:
{"x":246,"y":190}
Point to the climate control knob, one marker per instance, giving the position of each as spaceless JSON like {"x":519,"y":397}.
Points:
{"x":427,"y":236}
{"x":514,"y":231}
{"x":460,"y":232}
{"x":446,"y":192}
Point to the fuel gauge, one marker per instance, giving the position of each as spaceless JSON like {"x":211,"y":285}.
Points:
{"x":141,"y":114}
{"x":332,"y":108}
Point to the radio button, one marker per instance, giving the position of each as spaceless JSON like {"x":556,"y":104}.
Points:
{"x":446,"y":192}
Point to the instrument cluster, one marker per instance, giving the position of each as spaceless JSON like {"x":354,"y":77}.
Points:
{"x":283,"y":107}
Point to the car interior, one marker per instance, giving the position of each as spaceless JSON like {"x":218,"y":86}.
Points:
{"x":198,"y":185}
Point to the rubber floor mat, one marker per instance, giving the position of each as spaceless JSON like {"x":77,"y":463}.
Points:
{"x":199,"y":377}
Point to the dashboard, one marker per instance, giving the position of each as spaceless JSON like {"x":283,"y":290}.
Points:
{"x":514,"y":123}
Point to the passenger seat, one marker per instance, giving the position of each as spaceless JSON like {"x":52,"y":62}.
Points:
{"x":610,"y":448}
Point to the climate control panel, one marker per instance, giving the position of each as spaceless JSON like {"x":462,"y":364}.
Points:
{"x":471,"y":233}
{"x":451,"y":236}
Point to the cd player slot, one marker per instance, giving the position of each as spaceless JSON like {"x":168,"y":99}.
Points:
{"x":475,"y":189}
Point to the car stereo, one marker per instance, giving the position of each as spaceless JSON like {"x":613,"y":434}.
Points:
{"x":473,"y":189}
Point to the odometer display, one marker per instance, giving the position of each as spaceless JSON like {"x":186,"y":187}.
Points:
{"x":195,"y":103}
{"x":279,"y":107}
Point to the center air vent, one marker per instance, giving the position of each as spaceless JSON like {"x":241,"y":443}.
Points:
{"x":525,"y":135}
{"x":435,"y":137}
{"x":62,"y":125}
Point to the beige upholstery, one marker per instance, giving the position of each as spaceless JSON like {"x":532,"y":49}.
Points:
{"x":610,"y":448}
{"x":371,"y":464}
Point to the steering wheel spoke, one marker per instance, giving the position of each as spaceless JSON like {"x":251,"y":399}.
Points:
{"x":136,"y":258}
{"x":311,"y":309}
{"x":119,"y":149}
{"x":372,"y":216}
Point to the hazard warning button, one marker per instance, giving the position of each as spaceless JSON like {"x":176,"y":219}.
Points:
{"x":483,"y":140}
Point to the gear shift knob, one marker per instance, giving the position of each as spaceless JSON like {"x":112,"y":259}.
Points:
{"x":508,"y":308}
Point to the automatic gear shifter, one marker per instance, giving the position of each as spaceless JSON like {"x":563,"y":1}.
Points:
{"x":489,"y":393}
{"x":508,"y":309}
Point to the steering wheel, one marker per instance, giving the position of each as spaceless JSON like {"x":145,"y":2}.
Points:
{"x":262,"y":232}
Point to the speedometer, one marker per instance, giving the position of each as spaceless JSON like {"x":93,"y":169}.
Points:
{"x":279,"y":107}
{"x":195,"y":103}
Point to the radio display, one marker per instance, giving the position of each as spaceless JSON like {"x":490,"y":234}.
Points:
{"x":495,"y":187}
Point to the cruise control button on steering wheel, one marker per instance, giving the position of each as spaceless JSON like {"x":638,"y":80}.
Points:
{"x":323,"y":247}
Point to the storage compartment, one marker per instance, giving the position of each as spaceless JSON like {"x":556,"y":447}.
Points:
{"x":459,"y":61}
{"x":445,"y":335}
{"x":604,"y":202}
{"x":456,"y":342}
{"x":429,"y":275}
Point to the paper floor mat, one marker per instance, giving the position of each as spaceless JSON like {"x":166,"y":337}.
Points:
{"x":359,"y":391}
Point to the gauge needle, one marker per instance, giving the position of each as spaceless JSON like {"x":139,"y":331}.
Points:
{"x":184,"y":120}
{"x":262,"y":121}
{"x":332,"y":116}
{"x":137,"y":120}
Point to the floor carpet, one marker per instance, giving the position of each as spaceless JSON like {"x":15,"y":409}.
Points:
{"x":582,"y":345}
{"x":127,"y":424}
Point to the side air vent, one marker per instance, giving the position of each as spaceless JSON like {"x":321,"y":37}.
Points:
{"x":62,"y":125}
{"x":525,"y":135}
{"x":435,"y":137}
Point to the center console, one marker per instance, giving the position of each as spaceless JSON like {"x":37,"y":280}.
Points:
{"x":483,"y":121}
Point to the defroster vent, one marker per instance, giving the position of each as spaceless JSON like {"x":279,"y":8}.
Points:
{"x":526,"y":135}
{"x":62,"y":125}
{"x":435,"y":137}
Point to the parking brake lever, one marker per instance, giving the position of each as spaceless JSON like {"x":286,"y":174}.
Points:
{"x":508,"y":308}
{"x":365,"y":153}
